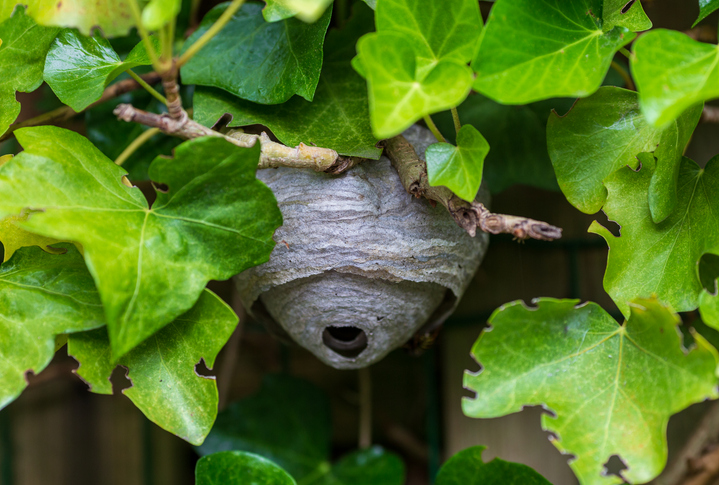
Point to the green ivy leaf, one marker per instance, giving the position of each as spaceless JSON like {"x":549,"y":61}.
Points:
{"x":165,"y":385}
{"x":611,"y":388}
{"x":112,"y":17}
{"x":672,"y":73}
{"x":468,"y":468}
{"x":372,"y":465}
{"x":23,"y":47}
{"x":558,"y":49}
{"x":605,"y":132}
{"x":239,"y":468}
{"x":78,"y":68}
{"x":305,"y":10}
{"x":41,"y":295}
{"x":458,"y":168}
{"x":706,"y":8}
{"x":337,"y":117}
{"x":150,"y":265}
{"x":244,"y":46}
{"x":159,"y":13}
{"x":14,"y":238}
{"x":709,"y":309}
{"x":662,"y":258}
{"x":615,"y":13}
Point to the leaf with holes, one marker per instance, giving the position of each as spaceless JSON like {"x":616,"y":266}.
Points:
{"x":305,"y":10}
{"x":672,"y":73}
{"x":245,"y":45}
{"x":468,"y":468}
{"x":150,"y":265}
{"x":239,"y":468}
{"x":605,"y":132}
{"x":165,"y":385}
{"x":624,"y":13}
{"x":78,"y":68}
{"x":41,"y":295}
{"x":660,"y":259}
{"x":337,"y":117}
{"x":23,"y":47}
{"x":558,"y":49}
{"x":458,"y":168}
{"x":611,"y":387}
{"x":112,"y":17}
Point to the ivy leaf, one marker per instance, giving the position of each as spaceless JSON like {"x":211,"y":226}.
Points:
{"x":159,"y":13}
{"x":165,"y":385}
{"x":288,"y":421}
{"x":305,"y":10}
{"x":14,"y":238}
{"x":610,"y":387}
{"x":41,"y":295}
{"x":78,"y":68}
{"x":709,"y":309}
{"x":660,"y":259}
{"x":337,"y":117}
{"x":558,"y":49}
{"x":23,"y":47}
{"x":150,"y":265}
{"x":239,"y":468}
{"x":625,"y":13}
{"x":244,"y":46}
{"x":605,"y":132}
{"x":706,"y":8}
{"x":458,"y":168}
{"x":468,"y":468}
{"x":112,"y":17}
{"x":672,"y":73}
{"x":399,"y":93}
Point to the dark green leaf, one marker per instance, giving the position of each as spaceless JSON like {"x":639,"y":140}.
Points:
{"x":605,"y":132}
{"x":706,"y":8}
{"x":625,"y":13}
{"x":236,"y":59}
{"x":558,"y":49}
{"x":660,"y":259}
{"x":672,"y":73}
{"x":150,"y":265}
{"x":78,"y":68}
{"x":165,"y":385}
{"x":372,"y":465}
{"x":468,"y":468}
{"x":611,"y":388}
{"x":23,"y":47}
{"x":458,"y":168}
{"x":41,"y":295}
{"x":305,"y":10}
{"x":239,"y":468}
{"x":337,"y":117}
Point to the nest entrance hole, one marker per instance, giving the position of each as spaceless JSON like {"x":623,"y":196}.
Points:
{"x":347,"y":341}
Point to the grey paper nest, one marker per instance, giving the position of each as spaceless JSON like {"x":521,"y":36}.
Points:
{"x":360,"y":265}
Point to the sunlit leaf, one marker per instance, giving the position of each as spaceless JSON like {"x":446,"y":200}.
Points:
{"x":165,"y":384}
{"x":14,"y":238}
{"x":625,"y":13}
{"x":158,"y":13}
{"x":305,"y":10}
{"x":468,"y":468}
{"x":611,"y":388}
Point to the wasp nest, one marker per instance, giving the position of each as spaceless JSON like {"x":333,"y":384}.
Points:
{"x":360,"y":265}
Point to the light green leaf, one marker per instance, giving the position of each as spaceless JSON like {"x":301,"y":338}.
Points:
{"x":165,"y":385}
{"x":706,"y":8}
{"x":558,"y":49}
{"x":14,"y":238}
{"x":672,"y":73}
{"x":468,"y":468}
{"x":159,"y":13}
{"x":245,"y":45}
{"x":399,"y":94}
{"x":150,"y":265}
{"x":337,"y":117}
{"x":605,"y":132}
{"x":23,"y":47}
{"x":660,"y":259}
{"x":625,"y":13}
{"x":112,"y":17}
{"x":305,"y":10}
{"x":239,"y":468}
{"x":611,"y":388}
{"x":78,"y":68}
{"x":41,"y":295}
{"x":709,"y":309}
{"x":458,"y":168}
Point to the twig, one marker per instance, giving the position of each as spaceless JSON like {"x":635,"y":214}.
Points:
{"x":365,"y":415}
{"x":706,"y":469}
{"x":136,"y":143}
{"x":66,"y":112}
{"x":710,"y":114}
{"x":147,"y":87}
{"x":273,"y":154}
{"x":433,"y":128}
{"x":628,"y":82}
{"x":172,"y":93}
{"x":469,"y":216}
